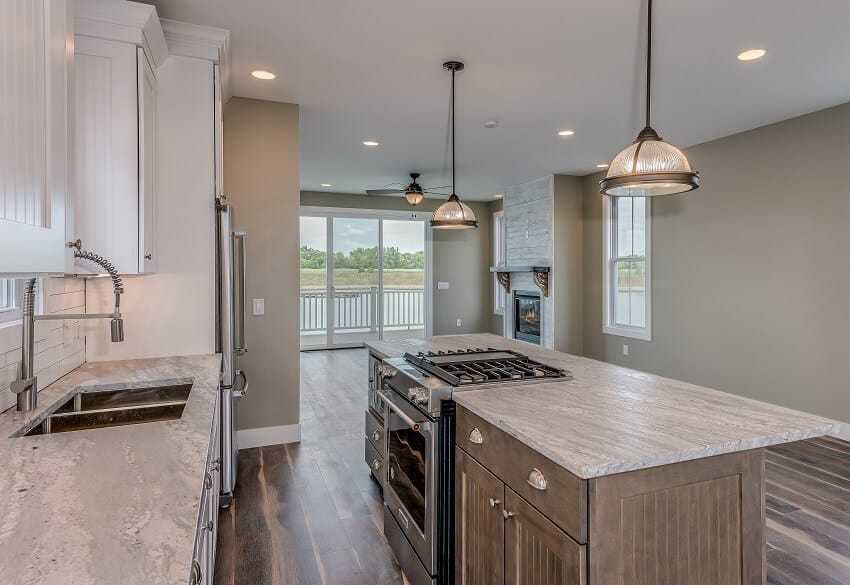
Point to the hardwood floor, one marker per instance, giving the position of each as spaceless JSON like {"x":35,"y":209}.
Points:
{"x":310,"y":514}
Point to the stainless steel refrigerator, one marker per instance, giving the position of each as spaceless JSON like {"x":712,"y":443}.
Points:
{"x":230,"y":334}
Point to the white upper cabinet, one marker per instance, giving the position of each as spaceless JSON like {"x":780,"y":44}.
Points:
{"x":115,"y":104}
{"x":36,"y":43}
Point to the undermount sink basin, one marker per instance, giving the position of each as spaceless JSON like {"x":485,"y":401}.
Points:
{"x":99,"y":407}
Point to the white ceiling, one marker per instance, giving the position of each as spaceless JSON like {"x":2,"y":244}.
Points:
{"x":371,"y":69}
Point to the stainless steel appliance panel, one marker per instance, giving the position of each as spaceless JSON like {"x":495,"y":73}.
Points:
{"x":410,"y":564}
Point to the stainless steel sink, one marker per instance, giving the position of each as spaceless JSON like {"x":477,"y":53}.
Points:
{"x":96,"y":407}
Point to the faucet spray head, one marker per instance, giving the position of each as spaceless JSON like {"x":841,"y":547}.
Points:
{"x":117,"y":327}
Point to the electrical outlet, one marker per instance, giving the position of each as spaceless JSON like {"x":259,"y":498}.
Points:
{"x":259,"y":306}
{"x":459,"y":323}
{"x":442,"y":285}
{"x":625,"y":349}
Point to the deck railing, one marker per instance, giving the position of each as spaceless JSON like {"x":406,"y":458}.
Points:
{"x":357,"y":308}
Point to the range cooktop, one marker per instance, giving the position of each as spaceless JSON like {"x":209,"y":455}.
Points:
{"x":483,"y":366}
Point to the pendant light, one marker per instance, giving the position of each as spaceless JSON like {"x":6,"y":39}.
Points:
{"x":649,"y":166}
{"x":454,"y":213}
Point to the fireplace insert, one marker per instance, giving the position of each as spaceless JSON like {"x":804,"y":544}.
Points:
{"x":527,"y":316}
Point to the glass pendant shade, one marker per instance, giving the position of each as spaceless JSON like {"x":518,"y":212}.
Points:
{"x":649,"y":167}
{"x":413,"y":196}
{"x":454,"y":214}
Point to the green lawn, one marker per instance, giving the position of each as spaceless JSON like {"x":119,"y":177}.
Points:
{"x":349,"y":277}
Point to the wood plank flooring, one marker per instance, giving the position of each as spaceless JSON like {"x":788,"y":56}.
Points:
{"x":310,"y":514}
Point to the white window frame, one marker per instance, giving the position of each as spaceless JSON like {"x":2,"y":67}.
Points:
{"x":609,"y":233}
{"x":11,"y":299}
{"x":500,"y":295}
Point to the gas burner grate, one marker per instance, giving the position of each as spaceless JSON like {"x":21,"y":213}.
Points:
{"x":483,"y":366}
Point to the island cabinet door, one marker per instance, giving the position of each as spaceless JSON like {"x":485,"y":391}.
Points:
{"x":536,"y":551}
{"x":479,"y":524}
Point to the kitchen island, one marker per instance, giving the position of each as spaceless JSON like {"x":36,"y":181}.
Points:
{"x":110,"y":505}
{"x":613,"y":477}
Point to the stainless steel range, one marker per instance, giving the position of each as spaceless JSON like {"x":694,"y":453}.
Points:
{"x":417,"y":467}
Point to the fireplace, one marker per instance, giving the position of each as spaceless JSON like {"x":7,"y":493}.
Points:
{"x":527,"y":316}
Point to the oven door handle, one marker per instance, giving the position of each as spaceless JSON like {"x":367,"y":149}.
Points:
{"x":401,"y":414}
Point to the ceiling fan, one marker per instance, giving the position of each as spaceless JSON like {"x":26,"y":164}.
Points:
{"x":414,"y":192}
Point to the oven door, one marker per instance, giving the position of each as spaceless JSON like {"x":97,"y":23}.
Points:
{"x":411,"y":483}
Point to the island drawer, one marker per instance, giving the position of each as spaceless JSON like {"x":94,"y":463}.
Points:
{"x":375,"y":461}
{"x":375,"y":433}
{"x":554,"y":491}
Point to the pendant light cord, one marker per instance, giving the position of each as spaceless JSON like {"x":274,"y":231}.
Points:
{"x":648,"y":57}
{"x":453,"y":132}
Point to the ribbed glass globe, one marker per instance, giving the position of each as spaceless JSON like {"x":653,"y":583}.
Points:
{"x":649,"y":167}
{"x":454,"y":214}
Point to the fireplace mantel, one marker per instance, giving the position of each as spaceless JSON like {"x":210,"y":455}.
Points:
{"x":540,"y":274}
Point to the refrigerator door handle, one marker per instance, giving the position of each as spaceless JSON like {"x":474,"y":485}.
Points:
{"x":239,"y":307}
{"x":243,"y":390}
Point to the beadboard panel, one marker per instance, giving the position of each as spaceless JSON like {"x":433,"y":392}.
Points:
{"x":23,"y":73}
{"x":60,"y":346}
{"x":106,"y":214}
{"x":35,"y":61}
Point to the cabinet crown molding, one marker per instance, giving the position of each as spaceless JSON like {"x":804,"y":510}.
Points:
{"x":201,"y":42}
{"x":128,"y":22}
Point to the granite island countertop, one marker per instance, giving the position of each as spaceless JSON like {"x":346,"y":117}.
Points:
{"x":108,"y":505}
{"x":611,"y":419}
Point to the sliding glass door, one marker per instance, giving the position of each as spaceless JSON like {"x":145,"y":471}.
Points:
{"x":373,"y":283}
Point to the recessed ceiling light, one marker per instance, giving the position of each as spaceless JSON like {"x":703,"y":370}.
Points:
{"x":260,"y":74}
{"x":371,"y":143}
{"x":751,"y":54}
{"x":602,"y":166}
{"x":491,"y":123}
{"x":326,"y":185}
{"x":566,"y":132}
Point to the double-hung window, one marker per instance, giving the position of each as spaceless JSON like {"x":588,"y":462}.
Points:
{"x":499,"y":235}
{"x":627,"y":279}
{"x":10,"y":299}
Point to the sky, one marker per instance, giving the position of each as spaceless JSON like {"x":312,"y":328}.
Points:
{"x":353,"y":233}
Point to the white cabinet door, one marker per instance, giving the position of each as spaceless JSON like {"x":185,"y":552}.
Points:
{"x":34,"y":124}
{"x":107,"y":137}
{"x":147,"y":163}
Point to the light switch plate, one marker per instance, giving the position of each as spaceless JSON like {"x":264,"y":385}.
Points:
{"x":443,"y":285}
{"x":625,"y":349}
{"x":259,"y":306}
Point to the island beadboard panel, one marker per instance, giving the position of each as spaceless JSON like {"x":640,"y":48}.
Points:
{"x":60,"y":346}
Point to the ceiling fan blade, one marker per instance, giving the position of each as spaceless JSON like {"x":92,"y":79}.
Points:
{"x":443,"y":187}
{"x":383,"y":191}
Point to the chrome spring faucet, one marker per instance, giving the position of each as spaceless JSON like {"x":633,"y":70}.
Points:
{"x":26,"y":386}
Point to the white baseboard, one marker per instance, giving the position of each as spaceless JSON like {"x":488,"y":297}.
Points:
{"x":249,"y":438}
{"x":843,"y":431}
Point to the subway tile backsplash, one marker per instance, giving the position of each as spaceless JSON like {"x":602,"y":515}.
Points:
{"x":60,"y":346}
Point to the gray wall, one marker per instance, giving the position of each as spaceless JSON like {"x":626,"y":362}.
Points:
{"x":261,"y":181}
{"x":566,"y":280}
{"x":461,"y":257}
{"x":750,"y":272}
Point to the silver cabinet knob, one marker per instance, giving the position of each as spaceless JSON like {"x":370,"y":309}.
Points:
{"x":507,"y":514}
{"x":376,"y":464}
{"x":216,"y":464}
{"x":148,"y":256}
{"x":494,"y":503}
{"x":537,"y":480}
{"x":475,"y":436}
{"x":377,"y":436}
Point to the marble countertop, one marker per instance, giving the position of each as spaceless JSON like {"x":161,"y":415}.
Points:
{"x":109,"y":505}
{"x":611,"y":419}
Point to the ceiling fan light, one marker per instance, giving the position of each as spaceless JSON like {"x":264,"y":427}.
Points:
{"x":414,"y":197}
{"x":454,"y":214}
{"x":649,"y":167}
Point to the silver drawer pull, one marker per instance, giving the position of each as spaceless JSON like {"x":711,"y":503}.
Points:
{"x":537,"y":480}
{"x":475,"y":436}
{"x":376,"y":436}
{"x":376,"y":464}
{"x":208,"y":526}
{"x":207,"y":481}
